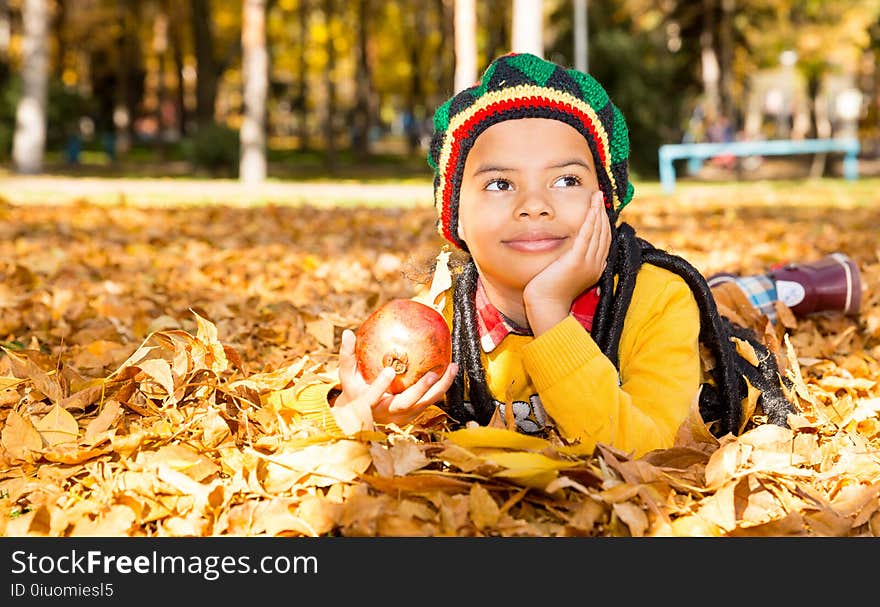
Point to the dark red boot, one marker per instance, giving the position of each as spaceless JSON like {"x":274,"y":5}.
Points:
{"x":832,"y":283}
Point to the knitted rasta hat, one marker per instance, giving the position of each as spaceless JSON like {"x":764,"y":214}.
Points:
{"x":520,"y":85}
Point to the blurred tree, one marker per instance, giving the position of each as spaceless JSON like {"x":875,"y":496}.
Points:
{"x":465,"y":44}
{"x":255,"y":73}
{"x":129,"y":79}
{"x":362,"y":114}
{"x":330,"y":160}
{"x":302,"y":19}
{"x":207,"y":68}
{"x":29,"y":142}
{"x":581,"y":35}
{"x":414,"y":109}
{"x":640,"y":53}
{"x":527,"y":33}
{"x":177,"y":16}
{"x":495,"y":21}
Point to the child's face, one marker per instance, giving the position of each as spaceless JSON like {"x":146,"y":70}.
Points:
{"x":524,"y":195}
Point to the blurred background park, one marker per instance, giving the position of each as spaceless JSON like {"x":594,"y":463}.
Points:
{"x":278,"y":90}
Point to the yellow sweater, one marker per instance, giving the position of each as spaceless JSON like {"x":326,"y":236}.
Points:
{"x":562,"y":378}
{"x":564,"y":374}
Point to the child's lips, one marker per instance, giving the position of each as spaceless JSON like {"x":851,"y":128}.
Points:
{"x":534,"y":242}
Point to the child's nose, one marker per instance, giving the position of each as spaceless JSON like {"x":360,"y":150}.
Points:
{"x":534,"y":203}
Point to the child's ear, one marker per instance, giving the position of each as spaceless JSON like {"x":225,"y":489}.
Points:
{"x":460,"y":232}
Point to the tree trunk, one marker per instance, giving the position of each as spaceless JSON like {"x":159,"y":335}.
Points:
{"x":445,"y":69}
{"x":528,"y":27}
{"x":255,"y":72}
{"x":29,"y":142}
{"x":330,"y":89}
{"x":178,"y":16}
{"x":465,"y":44}
{"x":363,"y":106}
{"x":709,"y":63}
{"x":302,"y":14}
{"x":58,"y":33}
{"x":5,"y":39}
{"x":5,"y":28}
{"x":415,"y":95}
{"x":206,"y":62}
{"x":581,"y":36}
{"x":725,"y":47}
{"x":494,"y":20}
{"x":160,"y":45}
{"x":125,"y":104}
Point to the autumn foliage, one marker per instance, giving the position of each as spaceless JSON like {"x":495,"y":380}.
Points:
{"x":157,"y":364}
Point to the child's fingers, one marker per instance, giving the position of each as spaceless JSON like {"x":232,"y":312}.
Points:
{"x":442,"y":385}
{"x":376,"y":390}
{"x":593,"y":223}
{"x":427,"y":390}
{"x":347,"y":360}
{"x":434,"y":387}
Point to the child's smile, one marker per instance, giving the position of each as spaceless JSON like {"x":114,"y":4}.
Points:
{"x":535,"y":241}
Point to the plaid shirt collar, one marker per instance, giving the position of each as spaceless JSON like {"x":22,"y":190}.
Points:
{"x":494,"y":326}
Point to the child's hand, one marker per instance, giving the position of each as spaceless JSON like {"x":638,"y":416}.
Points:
{"x":357,"y":395}
{"x":549,"y":295}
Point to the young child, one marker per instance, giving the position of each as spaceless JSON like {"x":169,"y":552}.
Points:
{"x":562,"y":313}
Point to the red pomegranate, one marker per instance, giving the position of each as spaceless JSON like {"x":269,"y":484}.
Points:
{"x":408,"y":336}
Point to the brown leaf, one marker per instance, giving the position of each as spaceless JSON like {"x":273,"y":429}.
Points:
{"x":110,"y":411}
{"x":24,"y":368}
{"x":20,"y":438}
{"x":418,"y":483}
{"x":484,"y":512}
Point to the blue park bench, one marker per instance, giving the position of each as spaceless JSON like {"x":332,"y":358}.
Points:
{"x":695,"y":153}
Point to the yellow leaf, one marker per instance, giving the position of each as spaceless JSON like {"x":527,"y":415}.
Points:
{"x":530,"y":469}
{"x":300,"y":398}
{"x":9,"y":382}
{"x":116,"y":520}
{"x":440,"y":282}
{"x":207,"y":334}
{"x":58,"y":426}
{"x":536,"y":479}
{"x":159,"y":370}
{"x":525,"y":460}
{"x":186,"y":460}
{"x":746,"y":350}
{"x":316,"y":465}
{"x":485,"y":436}
{"x":693,"y":526}
{"x":748,"y":404}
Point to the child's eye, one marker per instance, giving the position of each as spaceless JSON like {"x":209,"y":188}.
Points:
{"x":499,"y":185}
{"x":567,"y":181}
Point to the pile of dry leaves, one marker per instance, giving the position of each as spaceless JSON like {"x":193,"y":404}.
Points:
{"x":155,"y":364}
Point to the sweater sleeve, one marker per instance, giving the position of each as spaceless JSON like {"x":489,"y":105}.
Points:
{"x":641,"y":409}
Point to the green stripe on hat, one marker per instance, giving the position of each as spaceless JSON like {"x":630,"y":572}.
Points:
{"x":593,"y":93}
{"x":533,"y":67}
{"x":619,"y":143}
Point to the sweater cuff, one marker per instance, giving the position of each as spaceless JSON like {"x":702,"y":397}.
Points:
{"x":559,"y":352}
